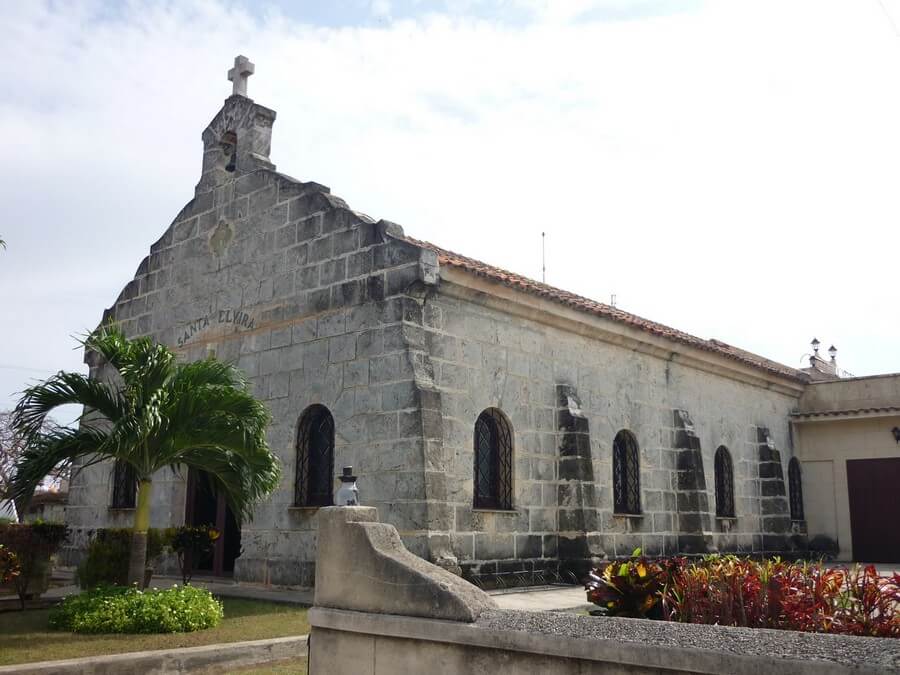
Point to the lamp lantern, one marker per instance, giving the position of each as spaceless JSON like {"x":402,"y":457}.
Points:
{"x":896,"y":432}
{"x":832,"y":352}
{"x":348,"y":493}
{"x":815,"y":346}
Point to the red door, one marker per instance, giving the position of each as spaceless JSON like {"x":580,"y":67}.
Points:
{"x":874,"y":487}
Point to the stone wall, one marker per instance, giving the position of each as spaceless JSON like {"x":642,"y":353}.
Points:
{"x":563,"y":392}
{"x":316,"y":304}
{"x":319,"y":304}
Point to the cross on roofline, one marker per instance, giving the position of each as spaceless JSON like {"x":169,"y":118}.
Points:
{"x":239,"y":74}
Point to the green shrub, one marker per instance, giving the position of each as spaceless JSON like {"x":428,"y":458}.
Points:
{"x":106,"y":563}
{"x":181,"y":609}
{"x":189,"y":543}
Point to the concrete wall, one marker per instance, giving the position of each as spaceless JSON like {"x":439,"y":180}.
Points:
{"x":825,"y":442}
{"x":854,"y":392}
{"x":519,"y":643}
{"x":380,"y":610}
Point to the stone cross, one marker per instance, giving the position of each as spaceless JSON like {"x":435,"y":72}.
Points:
{"x":239,"y":74}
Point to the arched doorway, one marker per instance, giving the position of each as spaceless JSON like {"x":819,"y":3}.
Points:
{"x":207,"y":507}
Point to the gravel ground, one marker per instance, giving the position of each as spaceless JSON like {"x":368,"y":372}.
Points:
{"x":842,"y":649}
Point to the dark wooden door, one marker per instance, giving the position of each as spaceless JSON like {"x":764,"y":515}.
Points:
{"x":874,"y":487}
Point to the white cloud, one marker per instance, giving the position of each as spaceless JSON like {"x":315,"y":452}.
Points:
{"x":731,"y":170}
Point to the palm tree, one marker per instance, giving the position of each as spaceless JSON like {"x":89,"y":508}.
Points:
{"x":152,"y":413}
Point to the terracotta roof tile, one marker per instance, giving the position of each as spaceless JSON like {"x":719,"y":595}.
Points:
{"x":578,"y":302}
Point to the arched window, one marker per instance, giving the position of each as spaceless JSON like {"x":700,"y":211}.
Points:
{"x":124,"y":486}
{"x":724,"y":483}
{"x":315,"y":458}
{"x":626,"y":474}
{"x":795,"y":487}
{"x":493,"y":461}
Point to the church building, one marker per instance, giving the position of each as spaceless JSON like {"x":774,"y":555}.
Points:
{"x":511,"y":431}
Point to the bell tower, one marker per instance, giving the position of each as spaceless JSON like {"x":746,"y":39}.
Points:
{"x":239,"y":138}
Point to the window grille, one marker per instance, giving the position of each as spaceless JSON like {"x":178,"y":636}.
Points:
{"x":124,"y":486}
{"x":724,"y":483}
{"x":315,"y":458}
{"x":626,"y":474}
{"x":795,"y":487}
{"x":493,"y":461}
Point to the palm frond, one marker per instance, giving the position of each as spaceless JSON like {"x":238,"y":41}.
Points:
{"x":110,"y":343}
{"x":216,"y":425}
{"x":143,"y":365}
{"x":208,"y":372}
{"x":57,"y":448}
{"x":62,"y":389}
{"x":243,"y":477}
{"x":158,"y":413}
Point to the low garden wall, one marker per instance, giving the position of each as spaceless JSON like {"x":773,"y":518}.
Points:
{"x":503,"y":642}
{"x":380,"y":610}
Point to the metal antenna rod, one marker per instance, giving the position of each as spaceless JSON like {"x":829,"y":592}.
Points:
{"x":543,"y":257}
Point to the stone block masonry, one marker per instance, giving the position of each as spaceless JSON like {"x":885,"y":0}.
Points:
{"x":567,"y":396}
{"x":319,"y":304}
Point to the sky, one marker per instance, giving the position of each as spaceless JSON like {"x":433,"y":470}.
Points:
{"x":729,"y":168}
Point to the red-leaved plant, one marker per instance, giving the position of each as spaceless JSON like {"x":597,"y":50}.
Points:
{"x":9,"y":565}
{"x":802,"y":596}
{"x":732,"y":591}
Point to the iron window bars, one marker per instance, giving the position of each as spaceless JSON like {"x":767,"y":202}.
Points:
{"x":493,"y":461}
{"x":315,"y":458}
{"x":795,"y":487}
{"x":724,"y":470}
{"x":124,"y":494}
{"x":626,"y":474}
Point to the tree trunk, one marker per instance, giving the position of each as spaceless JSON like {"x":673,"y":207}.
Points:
{"x":137,"y":562}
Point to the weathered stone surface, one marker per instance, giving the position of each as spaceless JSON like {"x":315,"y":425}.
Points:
{"x":509,"y":642}
{"x":362,"y":565}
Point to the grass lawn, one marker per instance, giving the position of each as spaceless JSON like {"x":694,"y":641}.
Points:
{"x":25,"y":637}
